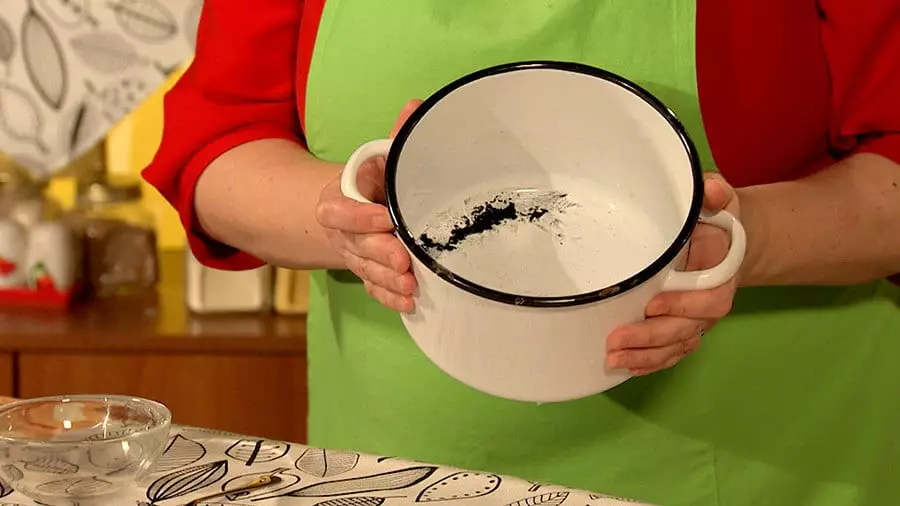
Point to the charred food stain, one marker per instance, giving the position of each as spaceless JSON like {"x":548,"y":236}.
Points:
{"x":486,"y":217}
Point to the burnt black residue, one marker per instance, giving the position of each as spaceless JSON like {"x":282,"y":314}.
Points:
{"x":536,"y":213}
{"x":483,"y":218}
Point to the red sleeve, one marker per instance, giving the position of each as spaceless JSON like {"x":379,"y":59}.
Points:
{"x":862,"y":43}
{"x":239,"y":88}
{"x":863,"y":48}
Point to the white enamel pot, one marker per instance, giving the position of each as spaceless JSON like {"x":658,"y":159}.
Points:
{"x":544,"y":204}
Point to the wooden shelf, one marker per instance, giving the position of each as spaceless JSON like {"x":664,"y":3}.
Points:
{"x":160,"y":325}
{"x":216,"y":371}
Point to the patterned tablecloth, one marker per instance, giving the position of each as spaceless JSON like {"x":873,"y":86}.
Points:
{"x":198,"y":462}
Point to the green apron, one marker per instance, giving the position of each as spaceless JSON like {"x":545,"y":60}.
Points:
{"x":792,"y":400}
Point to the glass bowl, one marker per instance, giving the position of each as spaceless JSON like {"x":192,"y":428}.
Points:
{"x":81,"y":447}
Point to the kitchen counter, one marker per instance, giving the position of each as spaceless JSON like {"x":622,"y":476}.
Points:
{"x":198,"y":462}
{"x":152,"y":324}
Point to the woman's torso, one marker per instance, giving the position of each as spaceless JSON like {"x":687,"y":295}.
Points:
{"x":760,"y":413}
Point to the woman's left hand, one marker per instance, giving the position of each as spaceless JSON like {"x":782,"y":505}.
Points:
{"x":676,"y":321}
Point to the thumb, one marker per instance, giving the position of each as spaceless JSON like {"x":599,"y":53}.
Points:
{"x":717,"y":193}
{"x":407,"y":111}
{"x":371,"y":174}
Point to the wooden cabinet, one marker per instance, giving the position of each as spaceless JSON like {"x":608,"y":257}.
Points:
{"x":242,"y":373}
{"x":6,"y":375}
{"x":257,"y":395}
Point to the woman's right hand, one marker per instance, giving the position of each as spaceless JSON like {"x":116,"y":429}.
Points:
{"x":362,"y":233}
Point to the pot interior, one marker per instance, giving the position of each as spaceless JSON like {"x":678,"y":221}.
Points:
{"x":543,"y":182}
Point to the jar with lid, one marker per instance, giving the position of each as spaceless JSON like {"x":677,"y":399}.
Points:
{"x":119,"y":236}
{"x":291,"y":291}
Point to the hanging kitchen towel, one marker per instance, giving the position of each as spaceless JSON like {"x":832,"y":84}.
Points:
{"x":71,"y":69}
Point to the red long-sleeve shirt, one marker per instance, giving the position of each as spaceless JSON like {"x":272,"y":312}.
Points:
{"x":785,"y":89}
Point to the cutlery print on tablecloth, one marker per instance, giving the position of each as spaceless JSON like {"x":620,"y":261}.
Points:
{"x":287,"y":479}
{"x":72,"y":69}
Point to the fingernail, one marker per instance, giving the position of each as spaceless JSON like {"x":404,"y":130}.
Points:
{"x":383,"y":221}
{"x":656,"y":307}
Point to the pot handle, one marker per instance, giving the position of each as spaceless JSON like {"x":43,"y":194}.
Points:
{"x":362,"y":154}
{"x":720,"y":274}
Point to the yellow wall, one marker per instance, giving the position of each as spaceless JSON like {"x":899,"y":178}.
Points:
{"x":142,"y":134}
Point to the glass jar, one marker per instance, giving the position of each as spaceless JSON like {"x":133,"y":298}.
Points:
{"x":119,"y":237}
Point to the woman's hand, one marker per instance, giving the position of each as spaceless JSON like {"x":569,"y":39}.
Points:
{"x":362,"y":233}
{"x":676,"y":321}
